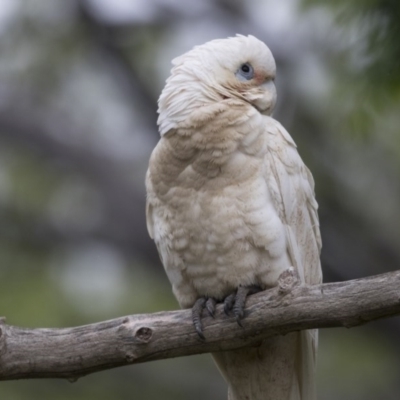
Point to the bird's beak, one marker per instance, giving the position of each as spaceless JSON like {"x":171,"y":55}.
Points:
{"x":266,"y":103}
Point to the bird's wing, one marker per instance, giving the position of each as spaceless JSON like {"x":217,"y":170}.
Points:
{"x":292,"y":188}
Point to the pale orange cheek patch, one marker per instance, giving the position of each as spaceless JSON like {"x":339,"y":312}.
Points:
{"x":259,"y":77}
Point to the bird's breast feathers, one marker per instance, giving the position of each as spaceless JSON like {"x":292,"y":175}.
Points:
{"x":215,"y":207}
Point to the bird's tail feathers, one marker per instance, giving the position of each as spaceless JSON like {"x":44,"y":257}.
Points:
{"x":279,"y":368}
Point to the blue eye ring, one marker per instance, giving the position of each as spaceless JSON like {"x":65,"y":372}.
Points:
{"x":245,"y":72}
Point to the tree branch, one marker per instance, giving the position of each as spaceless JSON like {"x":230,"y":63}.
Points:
{"x":74,"y":352}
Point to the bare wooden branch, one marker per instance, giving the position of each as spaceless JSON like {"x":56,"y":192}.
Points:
{"x":74,"y":352}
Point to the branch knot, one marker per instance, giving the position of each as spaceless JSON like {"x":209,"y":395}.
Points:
{"x":287,"y":280}
{"x":144,"y":334}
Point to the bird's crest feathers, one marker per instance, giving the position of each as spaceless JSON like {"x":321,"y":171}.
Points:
{"x":206,"y":74}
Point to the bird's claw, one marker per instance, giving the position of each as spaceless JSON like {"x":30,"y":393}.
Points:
{"x":197,"y":310}
{"x":210,"y":306}
{"x":229,"y":301}
{"x":234,"y":302}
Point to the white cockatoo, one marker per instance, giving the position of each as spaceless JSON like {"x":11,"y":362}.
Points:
{"x":230,"y":205}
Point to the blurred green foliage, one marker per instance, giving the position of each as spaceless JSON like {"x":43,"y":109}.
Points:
{"x":366,"y":64}
{"x":378,"y":28}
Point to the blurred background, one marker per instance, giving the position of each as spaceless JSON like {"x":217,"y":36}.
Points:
{"x":79,"y":82}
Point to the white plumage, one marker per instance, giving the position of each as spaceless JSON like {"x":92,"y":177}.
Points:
{"x":230,"y":203}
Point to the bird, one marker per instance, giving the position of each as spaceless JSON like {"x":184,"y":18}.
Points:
{"x":231,"y":206}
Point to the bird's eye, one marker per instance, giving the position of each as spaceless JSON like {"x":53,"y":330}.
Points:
{"x":245,"y":72}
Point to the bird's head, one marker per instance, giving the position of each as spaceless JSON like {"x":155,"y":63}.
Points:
{"x":240,"y":68}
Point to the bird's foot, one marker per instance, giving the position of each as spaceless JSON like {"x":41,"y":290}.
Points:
{"x":202,"y":303}
{"x":236,"y":301}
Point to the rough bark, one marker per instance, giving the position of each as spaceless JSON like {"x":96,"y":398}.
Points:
{"x":74,"y":352}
